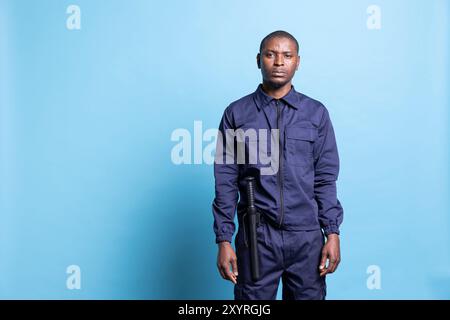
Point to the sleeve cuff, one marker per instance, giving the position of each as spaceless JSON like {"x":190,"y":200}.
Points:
{"x":224,"y":237}
{"x":331,"y":229}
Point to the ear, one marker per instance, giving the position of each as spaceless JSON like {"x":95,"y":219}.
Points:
{"x":258,"y":60}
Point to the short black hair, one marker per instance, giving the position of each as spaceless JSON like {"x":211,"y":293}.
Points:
{"x":278,"y":34}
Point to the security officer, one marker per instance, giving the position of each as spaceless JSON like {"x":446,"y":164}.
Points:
{"x":298,"y":203}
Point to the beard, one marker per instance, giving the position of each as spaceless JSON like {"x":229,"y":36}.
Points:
{"x":276,"y":84}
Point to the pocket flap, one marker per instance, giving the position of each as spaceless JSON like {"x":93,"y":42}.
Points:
{"x":246,"y":134}
{"x":308,"y":134}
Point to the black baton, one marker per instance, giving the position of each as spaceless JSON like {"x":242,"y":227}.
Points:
{"x":252,"y":218}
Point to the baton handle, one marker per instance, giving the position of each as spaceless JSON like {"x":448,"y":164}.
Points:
{"x":252,"y":216}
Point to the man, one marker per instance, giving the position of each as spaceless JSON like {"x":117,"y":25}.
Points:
{"x":297,"y":202}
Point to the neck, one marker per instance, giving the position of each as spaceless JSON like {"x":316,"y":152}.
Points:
{"x":274,"y":92}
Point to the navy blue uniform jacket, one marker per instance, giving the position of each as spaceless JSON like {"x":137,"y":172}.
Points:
{"x":301,"y":192}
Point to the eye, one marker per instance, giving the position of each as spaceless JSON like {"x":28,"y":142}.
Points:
{"x":269,"y":54}
{"x":288,"y":56}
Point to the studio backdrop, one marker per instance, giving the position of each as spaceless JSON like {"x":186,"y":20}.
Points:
{"x":108,"y":117}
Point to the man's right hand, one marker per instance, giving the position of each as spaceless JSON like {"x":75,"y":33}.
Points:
{"x":225,"y":258}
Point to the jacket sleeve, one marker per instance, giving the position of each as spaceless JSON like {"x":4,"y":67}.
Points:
{"x":326,"y":162}
{"x":226,"y":184}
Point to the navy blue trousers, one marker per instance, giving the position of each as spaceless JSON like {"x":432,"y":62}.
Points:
{"x":293,"y":256}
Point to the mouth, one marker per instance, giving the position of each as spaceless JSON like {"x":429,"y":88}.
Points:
{"x":278,"y":74}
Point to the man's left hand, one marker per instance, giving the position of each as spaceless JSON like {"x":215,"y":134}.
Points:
{"x":330,"y":252}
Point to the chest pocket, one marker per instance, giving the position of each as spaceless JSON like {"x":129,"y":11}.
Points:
{"x":247,"y":146}
{"x":299,"y":145}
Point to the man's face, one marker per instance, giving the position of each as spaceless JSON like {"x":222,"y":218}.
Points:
{"x":278,"y":61}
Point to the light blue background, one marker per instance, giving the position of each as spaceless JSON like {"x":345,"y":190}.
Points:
{"x":86,"y":118}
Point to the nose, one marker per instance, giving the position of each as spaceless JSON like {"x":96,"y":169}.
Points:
{"x":279,"y":61}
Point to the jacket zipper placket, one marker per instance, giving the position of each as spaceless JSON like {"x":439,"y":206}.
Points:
{"x":280,"y":158}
